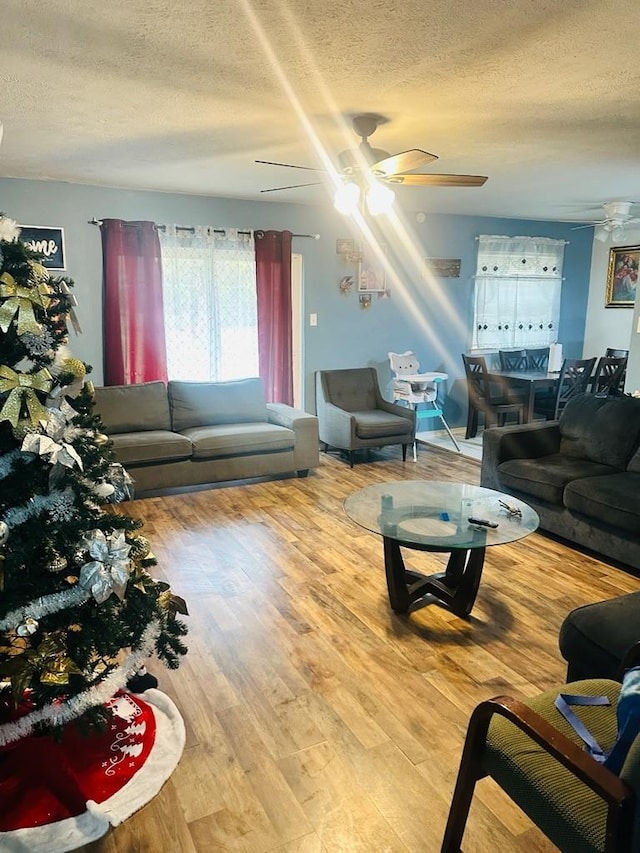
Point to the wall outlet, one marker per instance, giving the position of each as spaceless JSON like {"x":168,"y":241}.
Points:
{"x":313,"y":319}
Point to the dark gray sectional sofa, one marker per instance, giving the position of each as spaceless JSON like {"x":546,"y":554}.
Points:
{"x":581,"y":473}
{"x":190,"y":433}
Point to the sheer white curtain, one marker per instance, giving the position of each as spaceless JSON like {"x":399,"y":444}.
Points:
{"x":517,"y":292}
{"x":210,"y":306}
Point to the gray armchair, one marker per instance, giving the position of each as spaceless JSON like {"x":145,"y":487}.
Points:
{"x":353,"y":415}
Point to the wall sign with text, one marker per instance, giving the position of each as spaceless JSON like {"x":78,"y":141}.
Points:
{"x":443,"y":267}
{"x":49,"y":242}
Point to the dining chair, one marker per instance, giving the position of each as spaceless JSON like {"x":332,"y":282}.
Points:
{"x":495,"y":409}
{"x":353,"y":415}
{"x":537,"y":758}
{"x":609,"y":375}
{"x":515,"y":359}
{"x":617,"y":353}
{"x":574,"y":378}
{"x":537,"y":359}
{"x":419,"y":391}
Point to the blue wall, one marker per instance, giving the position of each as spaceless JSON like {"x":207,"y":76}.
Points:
{"x":430,"y":316}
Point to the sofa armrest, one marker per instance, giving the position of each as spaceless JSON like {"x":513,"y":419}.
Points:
{"x":305,"y":427}
{"x":338,"y":425}
{"x":287,"y":416}
{"x":528,"y":441}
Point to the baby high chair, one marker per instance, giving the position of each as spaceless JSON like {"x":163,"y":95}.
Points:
{"x":419,"y":390}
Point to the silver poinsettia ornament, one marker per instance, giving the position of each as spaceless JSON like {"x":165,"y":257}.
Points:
{"x":109,"y":570}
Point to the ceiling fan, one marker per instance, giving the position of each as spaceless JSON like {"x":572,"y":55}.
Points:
{"x":617,"y":217}
{"x":358,"y":165}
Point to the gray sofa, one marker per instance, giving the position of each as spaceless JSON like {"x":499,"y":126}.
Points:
{"x":190,"y":433}
{"x":580,"y":473}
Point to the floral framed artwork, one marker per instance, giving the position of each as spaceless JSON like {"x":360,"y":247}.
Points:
{"x":622,"y":276}
{"x":371,"y":272}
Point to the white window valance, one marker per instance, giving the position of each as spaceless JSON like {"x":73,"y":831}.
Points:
{"x":517,"y":290}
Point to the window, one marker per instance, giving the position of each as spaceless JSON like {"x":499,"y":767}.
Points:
{"x":517,"y":292}
{"x":209,"y":292}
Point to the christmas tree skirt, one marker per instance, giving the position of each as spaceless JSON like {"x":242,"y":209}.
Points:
{"x":57,"y":796}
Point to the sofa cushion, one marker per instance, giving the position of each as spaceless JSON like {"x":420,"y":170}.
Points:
{"x":133,"y":408}
{"x":351,"y":389}
{"x":634,"y":462}
{"x":547,"y":476}
{"x":210,"y":442}
{"x":601,"y":429}
{"x":150,"y":446}
{"x":594,"y":638}
{"x":380,"y":424}
{"x":612,"y":499}
{"x":195,"y":404}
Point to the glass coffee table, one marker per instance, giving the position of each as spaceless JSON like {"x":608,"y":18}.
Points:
{"x":432,"y":516}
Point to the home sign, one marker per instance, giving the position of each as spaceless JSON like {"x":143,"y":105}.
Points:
{"x":48,"y":242}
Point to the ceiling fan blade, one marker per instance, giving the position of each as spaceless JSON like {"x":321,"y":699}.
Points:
{"x":292,"y":187}
{"x":289,"y":166}
{"x":437,"y":180}
{"x":403,"y":162}
{"x":590,"y":224}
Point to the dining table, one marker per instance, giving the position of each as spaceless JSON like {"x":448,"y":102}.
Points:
{"x":515,"y":382}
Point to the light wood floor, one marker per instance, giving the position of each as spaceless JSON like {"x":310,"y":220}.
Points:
{"x":317,"y":720}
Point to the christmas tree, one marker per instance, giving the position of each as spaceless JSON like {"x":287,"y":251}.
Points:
{"x":80,"y":612}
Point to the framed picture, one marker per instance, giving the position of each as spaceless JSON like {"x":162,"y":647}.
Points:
{"x":371,"y":273}
{"x":345,"y":247}
{"x":443,"y":267}
{"x":622,"y":276}
{"x":49,"y":242}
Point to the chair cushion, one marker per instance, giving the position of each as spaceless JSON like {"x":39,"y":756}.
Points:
{"x":601,"y":429}
{"x":196,"y":404}
{"x":150,"y":446}
{"x":547,"y":476}
{"x":133,"y":408}
{"x":380,"y":424}
{"x":353,"y":389}
{"x":613,"y":499}
{"x":541,"y":786}
{"x":210,"y":442}
{"x":594,"y":638}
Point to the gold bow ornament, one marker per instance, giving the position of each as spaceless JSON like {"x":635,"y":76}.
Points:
{"x":20,"y":300}
{"x":22,"y":388}
{"x":49,"y":663}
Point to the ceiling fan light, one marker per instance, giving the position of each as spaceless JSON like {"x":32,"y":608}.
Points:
{"x":601,"y":234}
{"x":617,"y":232}
{"x":379,"y":199}
{"x":346,"y":198}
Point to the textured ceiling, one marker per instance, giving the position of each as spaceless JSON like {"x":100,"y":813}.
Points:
{"x":541,"y":96}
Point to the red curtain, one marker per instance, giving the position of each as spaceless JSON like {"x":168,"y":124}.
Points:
{"x":134,"y":345}
{"x":273,"y":276}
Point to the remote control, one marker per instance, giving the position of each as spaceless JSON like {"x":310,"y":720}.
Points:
{"x":482,"y":522}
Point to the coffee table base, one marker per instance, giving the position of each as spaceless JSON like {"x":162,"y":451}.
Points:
{"x":456,"y":587}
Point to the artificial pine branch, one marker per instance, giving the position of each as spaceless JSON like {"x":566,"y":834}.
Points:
{"x":76,"y":595}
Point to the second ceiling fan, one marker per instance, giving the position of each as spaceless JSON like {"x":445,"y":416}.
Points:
{"x":385,"y":167}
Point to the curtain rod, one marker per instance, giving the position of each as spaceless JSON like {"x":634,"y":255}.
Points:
{"x":566,"y":242}
{"x":98,"y":222}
